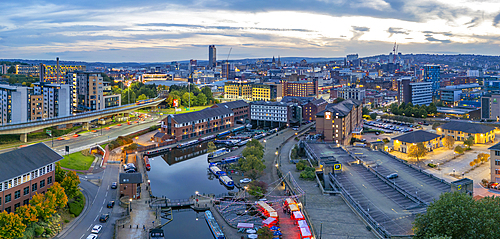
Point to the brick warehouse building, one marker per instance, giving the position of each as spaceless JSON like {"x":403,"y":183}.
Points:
{"x":25,"y":172}
{"x":188,"y":125}
{"x":339,"y":121}
{"x":240,"y":108}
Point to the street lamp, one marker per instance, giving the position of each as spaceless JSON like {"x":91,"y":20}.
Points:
{"x":130,"y":204}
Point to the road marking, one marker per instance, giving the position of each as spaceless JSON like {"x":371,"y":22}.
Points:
{"x":106,"y":194}
{"x":89,"y":227}
{"x":82,"y":236}
{"x":100,"y":209}
{"x":96,"y":218}
{"x":108,"y":188}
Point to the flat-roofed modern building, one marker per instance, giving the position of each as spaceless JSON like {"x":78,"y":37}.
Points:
{"x":452,"y":95}
{"x":461,"y":131}
{"x":238,"y":90}
{"x":264,"y":92}
{"x":274,"y":114}
{"x":430,"y":140}
{"x":417,"y":93}
{"x":14,"y":106}
{"x":24,"y":172}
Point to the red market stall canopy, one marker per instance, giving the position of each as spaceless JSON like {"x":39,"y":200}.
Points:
{"x":297,"y":215}
{"x":305,"y":232}
{"x":289,"y":201}
{"x":293,"y":207}
{"x":269,"y":221}
{"x":302,"y":223}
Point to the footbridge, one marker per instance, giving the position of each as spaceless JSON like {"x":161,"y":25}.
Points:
{"x":25,"y":128}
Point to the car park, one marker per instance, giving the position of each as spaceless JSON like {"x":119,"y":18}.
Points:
{"x":114,"y":185}
{"x":96,"y":229}
{"x":104,"y":217}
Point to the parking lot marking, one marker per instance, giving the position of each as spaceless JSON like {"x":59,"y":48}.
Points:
{"x":89,"y":227}
{"x":96,"y":218}
{"x":106,"y":194}
{"x":82,"y":236}
{"x":100,"y":209}
{"x":104,"y":201}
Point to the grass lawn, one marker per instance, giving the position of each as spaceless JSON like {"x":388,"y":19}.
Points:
{"x":77,"y":161}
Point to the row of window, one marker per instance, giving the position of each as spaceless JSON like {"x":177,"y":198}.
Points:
{"x":26,"y":190}
{"x":26,"y":177}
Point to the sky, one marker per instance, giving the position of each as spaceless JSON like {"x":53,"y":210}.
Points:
{"x":166,"y":30}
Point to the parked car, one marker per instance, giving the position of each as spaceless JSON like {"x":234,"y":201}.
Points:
{"x":245,"y":180}
{"x":392,"y":176}
{"x":111,"y":204}
{"x":92,"y":236}
{"x":96,"y":229}
{"x":104,"y":218}
{"x":114,"y":185}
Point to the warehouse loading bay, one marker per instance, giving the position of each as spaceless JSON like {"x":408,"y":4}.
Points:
{"x":392,"y":203}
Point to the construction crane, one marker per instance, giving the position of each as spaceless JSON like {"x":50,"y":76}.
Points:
{"x":227,"y":60}
{"x":394,"y":53}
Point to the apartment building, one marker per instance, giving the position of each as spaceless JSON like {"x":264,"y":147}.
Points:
{"x":14,"y":106}
{"x":110,"y":101}
{"x":25,"y":172}
{"x":310,"y":109}
{"x":238,"y":90}
{"x":89,"y":90}
{"x":269,"y":114}
{"x":57,"y":99}
{"x":49,"y":72}
{"x":338,"y":122}
{"x":266,"y":92}
{"x":351,"y":92}
{"x":417,"y":93}
{"x":240,"y":108}
{"x":188,"y":125}
{"x":495,"y":163}
{"x":302,"y":88}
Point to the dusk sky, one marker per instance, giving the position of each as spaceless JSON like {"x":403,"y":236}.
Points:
{"x":165,"y":30}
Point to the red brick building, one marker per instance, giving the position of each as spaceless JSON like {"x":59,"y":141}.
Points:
{"x":130,"y":185}
{"x":310,"y":109}
{"x":25,"y":172}
{"x":300,"y":88}
{"x":188,"y":125}
{"x":339,"y":121}
{"x":240,"y":108}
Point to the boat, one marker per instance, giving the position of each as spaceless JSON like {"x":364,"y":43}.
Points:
{"x":214,"y":226}
{"x":187,"y":144}
{"x":146,"y":162}
{"x":218,"y":152}
{"x":238,"y":129}
{"x":243,"y":143}
{"x":223,"y":133}
{"x":227,"y":181}
{"x":207,"y":138}
{"x":232,"y":159}
{"x":156,"y":233}
{"x":215,"y":170}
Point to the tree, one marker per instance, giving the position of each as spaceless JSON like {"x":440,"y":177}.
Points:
{"x":422,"y":113}
{"x":449,"y":142}
{"x":366,"y":111}
{"x":255,"y":143}
{"x":60,"y":173}
{"x":142,"y":97}
{"x":27,"y":213}
{"x":417,"y":151}
{"x":44,"y":205}
{"x":59,"y":194}
{"x":459,"y":150}
{"x":472,"y":163}
{"x":201,"y":99}
{"x":301,"y":165}
{"x":257,"y":188}
{"x":251,"y":162}
{"x":373,"y":116}
{"x":211,"y":147}
{"x":11,"y":225}
{"x":458,"y":215}
{"x":469,"y":142}
{"x":70,"y":184}
{"x":483,"y":157}
{"x":208,"y":93}
{"x":265,"y":233}
{"x":11,"y":70}
{"x":187,"y":100}
{"x":258,"y":153}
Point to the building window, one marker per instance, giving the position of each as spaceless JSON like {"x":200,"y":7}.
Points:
{"x":8,"y":198}
{"x":16,"y":206}
{"x":497,"y":171}
{"x":8,"y":210}
{"x":26,"y":190}
{"x":26,"y":201}
{"x":17,"y":194}
{"x":42,"y":183}
{"x":49,"y":180}
{"x":33,"y":187}
{"x":497,"y":153}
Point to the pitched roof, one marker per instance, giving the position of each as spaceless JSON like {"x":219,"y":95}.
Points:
{"x":159,"y":135}
{"x":319,"y":101}
{"x":417,"y":137}
{"x":343,"y":108}
{"x":25,"y":160}
{"x":234,"y":104}
{"x":467,"y":127}
{"x":495,"y":147}
{"x":198,"y":115}
{"x":130,"y":178}
{"x":297,"y":99}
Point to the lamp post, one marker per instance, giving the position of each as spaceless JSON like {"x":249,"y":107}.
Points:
{"x":130,"y":205}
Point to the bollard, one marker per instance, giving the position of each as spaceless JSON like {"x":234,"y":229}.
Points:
{"x":130,"y":226}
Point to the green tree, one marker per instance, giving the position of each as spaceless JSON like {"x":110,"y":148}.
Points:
{"x":449,"y":142}
{"x":255,"y":143}
{"x":211,"y":147}
{"x":258,"y":153}
{"x":265,"y":233}
{"x":201,"y":99}
{"x":373,"y":116}
{"x":251,"y":162}
{"x":431,"y":109}
{"x":459,"y":150}
{"x":422,"y":113}
{"x":11,"y":226}
{"x":70,"y":184}
{"x":417,"y":151}
{"x":309,"y":173}
{"x":60,"y":173}
{"x":365,"y":111}
{"x":27,"y":213}
{"x":469,"y":142}
{"x":458,"y":215}
{"x":187,"y":100}
{"x":301,"y":165}
{"x":208,"y":93}
{"x":142,"y":97}
{"x":257,"y":188}
{"x":11,"y":70}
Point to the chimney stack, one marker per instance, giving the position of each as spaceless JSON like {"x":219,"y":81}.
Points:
{"x":58,"y":71}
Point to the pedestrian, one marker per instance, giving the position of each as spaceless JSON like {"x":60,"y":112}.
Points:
{"x":144,"y":227}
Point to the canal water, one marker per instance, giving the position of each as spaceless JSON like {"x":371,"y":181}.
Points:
{"x":178,"y":175}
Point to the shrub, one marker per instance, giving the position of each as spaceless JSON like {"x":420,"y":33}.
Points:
{"x":431,"y":165}
{"x":301,"y":165}
{"x":77,"y":204}
{"x":66,"y":220}
{"x":308,"y":174}
{"x":39,"y":230}
{"x":257,"y":188}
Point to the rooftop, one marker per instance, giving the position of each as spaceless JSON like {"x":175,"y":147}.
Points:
{"x":495,"y":147}
{"x":467,"y":127}
{"x":130,"y":178}
{"x":343,"y":108}
{"x":234,"y":104}
{"x":25,"y":160}
{"x":417,"y":137}
{"x":198,"y":115}
{"x":271,"y":103}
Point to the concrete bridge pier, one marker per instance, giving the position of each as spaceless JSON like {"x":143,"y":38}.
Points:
{"x":86,"y":126}
{"x":24,"y":137}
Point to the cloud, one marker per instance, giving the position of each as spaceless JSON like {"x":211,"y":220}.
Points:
{"x":360,"y":29}
{"x":496,"y":20}
{"x":432,"y":39}
{"x":397,"y":30}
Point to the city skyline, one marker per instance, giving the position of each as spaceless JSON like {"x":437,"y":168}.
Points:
{"x":161,"y":31}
